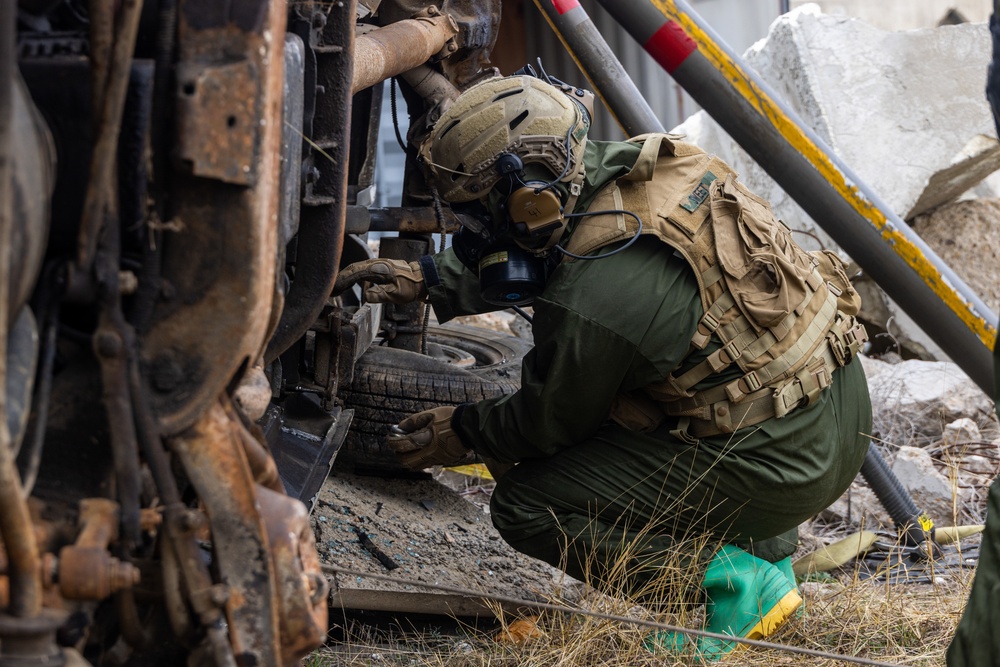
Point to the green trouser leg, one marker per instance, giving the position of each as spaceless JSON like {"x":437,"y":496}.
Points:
{"x":977,"y":639}
{"x":617,"y":509}
{"x":620,"y":510}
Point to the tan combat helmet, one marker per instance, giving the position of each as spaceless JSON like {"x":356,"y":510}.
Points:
{"x":518,"y":114}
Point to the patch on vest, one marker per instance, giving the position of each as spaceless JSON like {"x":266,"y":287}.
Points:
{"x":700,"y":194}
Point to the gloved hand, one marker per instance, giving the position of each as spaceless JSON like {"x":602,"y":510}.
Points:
{"x":390,"y":280}
{"x":426,"y":439}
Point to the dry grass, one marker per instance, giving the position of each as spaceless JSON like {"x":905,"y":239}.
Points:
{"x":909,"y":624}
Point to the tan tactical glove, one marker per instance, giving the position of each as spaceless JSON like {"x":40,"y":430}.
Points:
{"x":389,"y":280}
{"x":426,"y":439}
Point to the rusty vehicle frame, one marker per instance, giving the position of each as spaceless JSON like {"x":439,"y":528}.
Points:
{"x":180,"y":182}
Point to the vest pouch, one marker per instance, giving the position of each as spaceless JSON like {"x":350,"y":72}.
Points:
{"x":636,"y":412}
{"x":834,"y":272}
{"x":762,"y":266}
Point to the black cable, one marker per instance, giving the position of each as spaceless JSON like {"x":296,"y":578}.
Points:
{"x":395,"y":117}
{"x":607,"y":254}
{"x":569,"y":159}
{"x":520,"y":311}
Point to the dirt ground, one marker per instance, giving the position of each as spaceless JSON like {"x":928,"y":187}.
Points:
{"x":420,"y":530}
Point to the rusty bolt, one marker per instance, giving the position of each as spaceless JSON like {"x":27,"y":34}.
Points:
{"x":318,"y":587}
{"x":108,"y":344}
{"x":93,"y":574}
{"x":122,"y":575}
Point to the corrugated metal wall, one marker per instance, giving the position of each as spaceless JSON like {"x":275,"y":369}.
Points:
{"x":739,"y":22}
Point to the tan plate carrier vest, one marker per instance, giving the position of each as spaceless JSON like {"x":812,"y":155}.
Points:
{"x":785,"y":316}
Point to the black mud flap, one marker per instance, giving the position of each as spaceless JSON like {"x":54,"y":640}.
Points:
{"x":304,"y":440}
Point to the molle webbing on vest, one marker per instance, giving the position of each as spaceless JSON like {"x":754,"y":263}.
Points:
{"x":773,"y":305}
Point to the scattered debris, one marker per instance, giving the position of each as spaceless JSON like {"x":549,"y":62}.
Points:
{"x":455,"y":544}
{"x":370,"y":547}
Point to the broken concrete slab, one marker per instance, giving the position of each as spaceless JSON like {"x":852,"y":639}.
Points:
{"x":915,"y":128}
{"x":931,"y":491}
{"x":913,"y":401}
{"x":966,"y":236}
{"x":419,"y":531}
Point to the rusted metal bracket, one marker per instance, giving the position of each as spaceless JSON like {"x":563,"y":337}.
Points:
{"x":321,"y":231}
{"x":218,"y":133}
{"x":220,"y":474}
{"x":266,"y":557}
{"x":224,"y":192}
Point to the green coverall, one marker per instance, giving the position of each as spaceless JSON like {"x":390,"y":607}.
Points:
{"x":976,"y":642}
{"x":617,"y":324}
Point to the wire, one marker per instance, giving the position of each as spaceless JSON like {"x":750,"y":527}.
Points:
{"x":395,"y":117}
{"x":569,"y":160}
{"x":520,"y":311}
{"x":565,"y":608}
{"x":607,"y":254}
{"x":541,"y":69}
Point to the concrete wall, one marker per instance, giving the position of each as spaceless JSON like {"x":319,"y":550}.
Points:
{"x":902,"y":14}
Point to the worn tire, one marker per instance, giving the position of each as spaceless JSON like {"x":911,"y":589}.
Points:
{"x":390,"y":384}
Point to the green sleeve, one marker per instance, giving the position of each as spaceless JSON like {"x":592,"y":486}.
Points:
{"x":453,"y":289}
{"x":601,"y":327}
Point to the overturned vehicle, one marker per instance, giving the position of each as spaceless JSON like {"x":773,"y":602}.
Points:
{"x":181,"y":183}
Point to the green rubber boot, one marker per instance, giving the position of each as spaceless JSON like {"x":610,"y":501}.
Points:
{"x":785,"y":565}
{"x":746,"y":597}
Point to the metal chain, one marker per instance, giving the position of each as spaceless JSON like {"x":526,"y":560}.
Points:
{"x":547,"y":606}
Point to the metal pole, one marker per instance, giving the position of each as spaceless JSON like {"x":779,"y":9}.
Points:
{"x":847,"y":209}
{"x":398,"y":47}
{"x":24,"y":568}
{"x":600,"y":65}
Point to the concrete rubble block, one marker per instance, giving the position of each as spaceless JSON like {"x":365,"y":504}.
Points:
{"x":858,"y":507}
{"x":904,"y":110}
{"x":932,"y":492}
{"x":913,"y":400}
{"x":961,"y":431}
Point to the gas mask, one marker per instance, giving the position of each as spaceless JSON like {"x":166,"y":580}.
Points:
{"x":522,"y":220}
